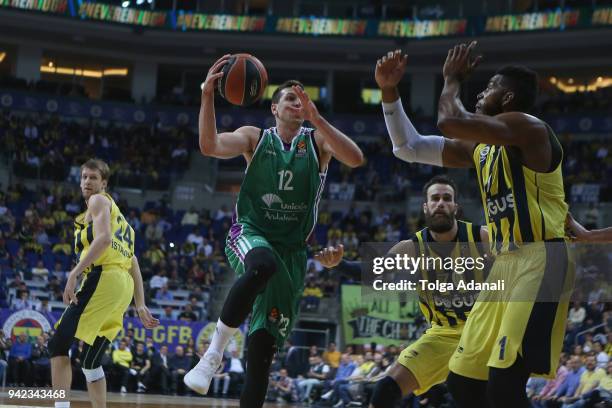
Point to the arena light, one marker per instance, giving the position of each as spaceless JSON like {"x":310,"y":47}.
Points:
{"x":125,"y":4}
{"x":569,"y":85}
{"x":88,"y":73}
{"x":314,"y":92}
{"x":2,"y":56}
{"x":115,"y":72}
{"x":371,"y":96}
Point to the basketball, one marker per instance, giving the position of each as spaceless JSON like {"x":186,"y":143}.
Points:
{"x":244,"y":80}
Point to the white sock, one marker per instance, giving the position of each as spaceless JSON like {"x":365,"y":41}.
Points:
{"x":62,"y":404}
{"x":221,"y":338}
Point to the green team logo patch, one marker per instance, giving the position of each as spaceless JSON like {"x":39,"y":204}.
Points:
{"x":271,"y":199}
{"x":279,"y":319}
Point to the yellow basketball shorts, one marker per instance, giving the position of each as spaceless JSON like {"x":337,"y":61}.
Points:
{"x":103,"y":298}
{"x":527,"y":318}
{"x":427,"y":358}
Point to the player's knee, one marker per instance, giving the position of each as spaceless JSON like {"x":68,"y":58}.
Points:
{"x":93,"y":374}
{"x":386,"y":393}
{"x":59,"y":344}
{"x":260,"y":264}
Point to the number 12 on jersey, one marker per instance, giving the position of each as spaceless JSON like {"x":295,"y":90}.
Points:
{"x":285,"y":178}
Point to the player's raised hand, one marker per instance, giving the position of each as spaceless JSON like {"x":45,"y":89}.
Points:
{"x":308,"y":108}
{"x":208,"y":86}
{"x":330,"y":256}
{"x":390,"y":69}
{"x":146,"y":318}
{"x":460,"y":61}
{"x":69,"y":296}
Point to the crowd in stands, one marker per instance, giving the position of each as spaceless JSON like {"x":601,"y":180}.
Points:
{"x":555,"y":102}
{"x":139,"y":156}
{"x":314,"y":376}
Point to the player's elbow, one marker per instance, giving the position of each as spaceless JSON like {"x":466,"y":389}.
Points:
{"x":206,"y":149}
{"x":105,"y":239}
{"x":356,"y":160}
{"x":445,"y":124}
{"x":404,"y":154}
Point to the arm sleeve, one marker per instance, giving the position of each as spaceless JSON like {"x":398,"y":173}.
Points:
{"x":408,"y":144}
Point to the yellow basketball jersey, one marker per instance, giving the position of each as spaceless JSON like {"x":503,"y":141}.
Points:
{"x":121,"y":250}
{"x":449,"y":308}
{"x":521,"y":205}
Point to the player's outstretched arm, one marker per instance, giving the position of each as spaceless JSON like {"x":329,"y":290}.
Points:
{"x":332,"y":140}
{"x":579,"y":233}
{"x":408,"y":144}
{"x":147,"y":319}
{"x":224,"y":145}
{"x":99,"y":207}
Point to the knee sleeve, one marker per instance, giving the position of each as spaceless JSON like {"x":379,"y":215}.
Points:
{"x":467,"y":392}
{"x":93,"y":354}
{"x":259,"y":358}
{"x":387,"y":393}
{"x":260,"y":266}
{"x":506,"y":387}
{"x":93,"y":375}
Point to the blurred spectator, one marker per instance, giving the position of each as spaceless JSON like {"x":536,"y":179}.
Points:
{"x":159,"y":280}
{"x":122,"y":358}
{"x":160,"y":369}
{"x":141,"y":364}
{"x":163,"y":294}
{"x":62,"y":247}
{"x":589,"y":380}
{"x":317,"y":373}
{"x":179,"y":365}
{"x":332,"y":356}
{"x":311,"y":297}
{"x":282,"y":388}
{"x":40,"y":271}
{"x":5,"y":346}
{"x":40,"y":363}
{"x":221,"y":375}
{"x":169,"y":314}
{"x":19,"y":361}
{"x":293,"y":359}
{"x":236,"y":369}
{"x":190,"y":217}
{"x":577,"y":314}
{"x":187,"y":314}
{"x":23,"y":302}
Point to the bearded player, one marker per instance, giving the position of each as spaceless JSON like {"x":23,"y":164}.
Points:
{"x":518,"y":162}
{"x":425,"y":362}
{"x":104,"y":247}
{"x":275,"y":213}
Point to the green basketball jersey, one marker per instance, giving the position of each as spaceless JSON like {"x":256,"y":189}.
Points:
{"x":280,"y":193}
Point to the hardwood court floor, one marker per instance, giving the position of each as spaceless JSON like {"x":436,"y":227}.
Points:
{"x":80,"y":399}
